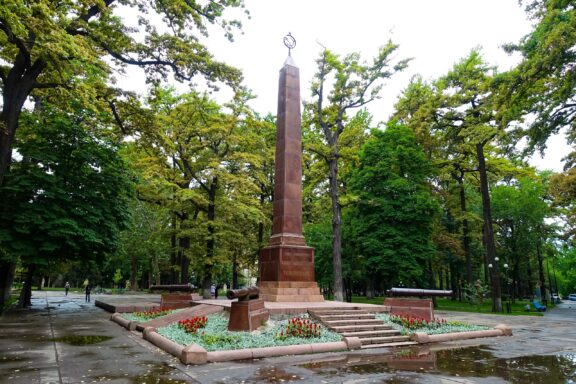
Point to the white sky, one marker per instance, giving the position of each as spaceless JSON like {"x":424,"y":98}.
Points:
{"x":436,"y":34}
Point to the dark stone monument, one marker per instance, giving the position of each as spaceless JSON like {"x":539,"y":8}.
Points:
{"x":248,"y":313}
{"x":287,"y":264}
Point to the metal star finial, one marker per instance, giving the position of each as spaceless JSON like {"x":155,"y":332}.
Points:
{"x":289,"y":42}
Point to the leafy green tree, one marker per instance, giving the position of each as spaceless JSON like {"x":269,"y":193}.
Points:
{"x":340,"y":86}
{"x":67,"y":50}
{"x":207,"y":181}
{"x":66,"y":199}
{"x":542,"y":88}
{"x":391,"y":222}
{"x":520,"y":212}
{"x":470,"y":126}
{"x":62,"y":45}
{"x":422,"y":108}
{"x":145,"y":244}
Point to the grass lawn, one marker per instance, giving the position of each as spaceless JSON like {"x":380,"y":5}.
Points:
{"x":517,"y":309}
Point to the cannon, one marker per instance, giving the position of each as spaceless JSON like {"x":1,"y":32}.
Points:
{"x":173,"y":288}
{"x":248,"y":313}
{"x":244,"y":294}
{"x":418,"y":292}
{"x":176,"y":296}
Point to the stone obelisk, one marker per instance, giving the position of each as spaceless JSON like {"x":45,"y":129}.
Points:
{"x":287,"y":264}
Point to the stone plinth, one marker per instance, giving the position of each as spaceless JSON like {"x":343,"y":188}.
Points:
{"x":287,"y":274}
{"x":177,"y":300}
{"x":290,"y":291}
{"x":423,"y":308}
{"x":247,"y":315}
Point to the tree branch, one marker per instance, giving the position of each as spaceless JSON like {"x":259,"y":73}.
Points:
{"x":117,"y":117}
{"x":131,"y":61}
{"x":20,"y":44}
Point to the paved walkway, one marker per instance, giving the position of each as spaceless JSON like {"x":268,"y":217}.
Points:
{"x":65,"y":340}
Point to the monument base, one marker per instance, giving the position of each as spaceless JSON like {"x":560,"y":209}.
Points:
{"x":290,"y":291}
{"x":287,"y":274}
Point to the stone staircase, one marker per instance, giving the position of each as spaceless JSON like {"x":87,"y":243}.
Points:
{"x":373,"y":333}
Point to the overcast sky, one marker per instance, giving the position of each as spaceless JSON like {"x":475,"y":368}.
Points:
{"x":436,"y":34}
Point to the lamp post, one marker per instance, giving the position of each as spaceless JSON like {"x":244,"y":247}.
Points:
{"x":508,"y":302}
{"x":490,"y":266}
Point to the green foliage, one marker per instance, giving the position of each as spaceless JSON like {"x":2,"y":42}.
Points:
{"x":67,"y":196}
{"x":476,"y":293}
{"x":567,"y":270}
{"x":542,"y":88}
{"x":390,"y":226}
{"x":151,"y":314}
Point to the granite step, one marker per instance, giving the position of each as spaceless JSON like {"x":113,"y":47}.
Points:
{"x":353,"y":328}
{"x":385,"y":340}
{"x":368,"y":334}
{"x":389,"y":345}
{"x":345,"y":316}
{"x":335,"y":323}
{"x":337,"y":311}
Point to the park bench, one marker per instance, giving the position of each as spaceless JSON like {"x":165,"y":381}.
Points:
{"x":539,"y":307}
{"x":418,"y":307}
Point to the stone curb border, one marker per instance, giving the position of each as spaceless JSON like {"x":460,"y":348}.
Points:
{"x":195,"y":354}
{"x":129,"y":325}
{"x":499,"y":330}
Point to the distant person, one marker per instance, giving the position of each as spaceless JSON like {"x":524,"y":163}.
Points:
{"x":88,"y":290}
{"x":213,"y":290}
{"x":67,"y":287}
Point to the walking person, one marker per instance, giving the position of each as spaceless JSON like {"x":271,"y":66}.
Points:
{"x":67,"y":287}
{"x":88,"y":290}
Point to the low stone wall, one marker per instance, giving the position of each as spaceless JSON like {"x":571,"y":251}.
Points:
{"x":195,"y":354}
{"x":499,"y":330}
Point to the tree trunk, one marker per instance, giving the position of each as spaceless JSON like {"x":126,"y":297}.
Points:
{"x":465,"y":231}
{"x":530,"y":281}
{"x":336,"y":230}
{"x":173,"y":252}
{"x":370,"y":288}
{"x":544,"y":297}
{"x":234,"y":271}
{"x":26,"y":293}
{"x":210,"y":244}
{"x":7,"y":270}
{"x":184,"y":260}
{"x":488,"y":231}
{"x":133,"y":272}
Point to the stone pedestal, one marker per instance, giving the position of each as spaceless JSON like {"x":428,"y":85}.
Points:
{"x":287,"y":274}
{"x":247,"y":315}
{"x":177,"y":300}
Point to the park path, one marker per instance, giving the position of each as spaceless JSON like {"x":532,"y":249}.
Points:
{"x":29,"y":354}
{"x":92,"y":348}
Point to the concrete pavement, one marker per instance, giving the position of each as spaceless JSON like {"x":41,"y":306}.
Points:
{"x":65,"y":340}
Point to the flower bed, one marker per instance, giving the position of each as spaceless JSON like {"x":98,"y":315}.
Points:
{"x":146,"y":315}
{"x":410,"y":324}
{"x":215,"y":335}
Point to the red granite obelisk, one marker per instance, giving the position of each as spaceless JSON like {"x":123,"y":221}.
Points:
{"x":287,"y":264}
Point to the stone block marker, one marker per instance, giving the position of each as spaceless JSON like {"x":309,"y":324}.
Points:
{"x":422,"y":308}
